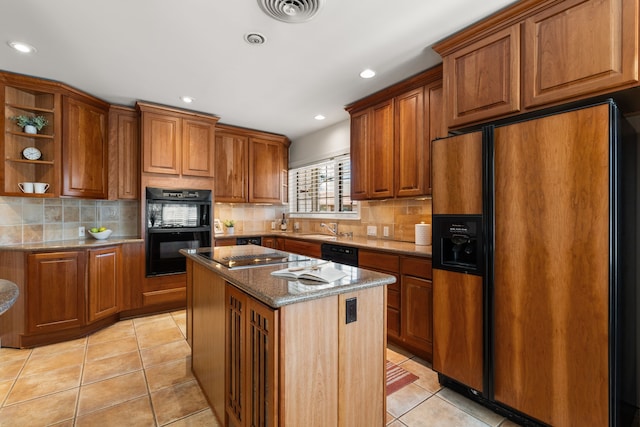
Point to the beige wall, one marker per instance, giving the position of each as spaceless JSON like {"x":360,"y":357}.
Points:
{"x":399,"y":215}
{"x":33,"y":220}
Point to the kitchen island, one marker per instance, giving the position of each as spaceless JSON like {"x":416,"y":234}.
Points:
{"x":271,"y":351}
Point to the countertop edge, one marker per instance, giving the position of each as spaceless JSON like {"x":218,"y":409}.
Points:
{"x":79,"y":243}
{"x":397,"y":247}
{"x":380,"y":279}
{"x":9,"y":292}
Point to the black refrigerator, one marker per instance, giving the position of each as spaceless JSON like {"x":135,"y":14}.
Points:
{"x":534,"y":267}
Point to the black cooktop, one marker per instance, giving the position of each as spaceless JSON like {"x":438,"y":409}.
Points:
{"x":249,"y":256}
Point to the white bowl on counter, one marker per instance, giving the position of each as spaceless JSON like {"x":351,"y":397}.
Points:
{"x":101,"y":235}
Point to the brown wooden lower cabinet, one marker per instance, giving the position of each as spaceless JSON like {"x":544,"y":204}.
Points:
{"x":417,"y":304}
{"x":66,"y":294}
{"x":225,"y":241}
{"x":105,"y":282}
{"x":273,"y":242}
{"x":409,"y":300}
{"x":298,"y":365}
{"x":302,"y":247}
{"x":389,"y":264}
{"x":55,"y":291}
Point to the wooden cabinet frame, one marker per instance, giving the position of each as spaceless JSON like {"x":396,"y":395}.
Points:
{"x":391,"y":133}
{"x":177,"y":142}
{"x":539,"y":53}
{"x":251,"y":166}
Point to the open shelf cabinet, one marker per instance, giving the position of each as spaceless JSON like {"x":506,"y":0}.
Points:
{"x":29,"y":99}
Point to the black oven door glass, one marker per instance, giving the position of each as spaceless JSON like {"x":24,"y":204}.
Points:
{"x":164,"y":255}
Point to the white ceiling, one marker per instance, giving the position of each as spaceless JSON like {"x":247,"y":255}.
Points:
{"x":159,"y":50}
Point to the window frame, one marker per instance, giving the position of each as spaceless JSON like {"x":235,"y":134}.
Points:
{"x":338,"y":184}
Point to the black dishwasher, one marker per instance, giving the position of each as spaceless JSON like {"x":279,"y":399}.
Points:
{"x":340,"y":254}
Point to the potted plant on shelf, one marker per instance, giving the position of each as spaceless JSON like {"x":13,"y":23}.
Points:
{"x":30,"y":124}
{"x":229,"y":224}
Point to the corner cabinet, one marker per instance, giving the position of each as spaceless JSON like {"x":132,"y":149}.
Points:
{"x":535,"y":54}
{"x":85,"y":152}
{"x":391,"y":133}
{"x":22,"y":95}
{"x":177,"y":142}
{"x":73,"y":145}
{"x":67,"y":294}
{"x":250,"y":166}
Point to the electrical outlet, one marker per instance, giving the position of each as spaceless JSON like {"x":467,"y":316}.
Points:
{"x":81,"y":231}
{"x":385,"y":231}
{"x":372,"y":230}
{"x":351,"y":310}
{"x":273,"y":225}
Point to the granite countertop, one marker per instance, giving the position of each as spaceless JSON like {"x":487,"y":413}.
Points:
{"x":384,"y":245}
{"x":8,"y":294}
{"x":277,"y":292}
{"x":80,"y":243}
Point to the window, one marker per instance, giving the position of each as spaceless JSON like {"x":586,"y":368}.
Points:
{"x":322,"y":189}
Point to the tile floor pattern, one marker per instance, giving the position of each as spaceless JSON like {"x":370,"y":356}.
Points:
{"x":425,"y":403}
{"x":137,"y":373}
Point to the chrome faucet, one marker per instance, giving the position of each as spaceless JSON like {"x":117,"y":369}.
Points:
{"x":332,"y":227}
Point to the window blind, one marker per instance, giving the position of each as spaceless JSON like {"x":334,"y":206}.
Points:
{"x":321,"y":188}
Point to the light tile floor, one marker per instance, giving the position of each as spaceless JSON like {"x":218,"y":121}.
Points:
{"x":137,"y":373}
{"x":425,"y":403}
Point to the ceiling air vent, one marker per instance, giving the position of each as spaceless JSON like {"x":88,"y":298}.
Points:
{"x":291,"y":10}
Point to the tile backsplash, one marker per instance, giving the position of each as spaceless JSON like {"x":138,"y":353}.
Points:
{"x":399,"y":215}
{"x":34,"y":220}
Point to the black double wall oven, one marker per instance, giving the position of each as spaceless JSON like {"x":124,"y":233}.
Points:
{"x":175,"y":219}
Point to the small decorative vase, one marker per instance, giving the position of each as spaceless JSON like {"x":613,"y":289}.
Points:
{"x":230,"y":230}
{"x":30,"y":129}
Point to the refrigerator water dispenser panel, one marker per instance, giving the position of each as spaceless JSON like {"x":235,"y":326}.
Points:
{"x":457,"y":243}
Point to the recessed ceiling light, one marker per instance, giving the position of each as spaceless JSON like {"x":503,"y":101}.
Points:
{"x":319,"y":117}
{"x":367,"y":74}
{"x":22,"y":47}
{"x":187,"y":99}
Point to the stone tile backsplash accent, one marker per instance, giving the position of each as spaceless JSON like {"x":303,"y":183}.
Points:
{"x":32,"y":220}
{"x":400,"y":215}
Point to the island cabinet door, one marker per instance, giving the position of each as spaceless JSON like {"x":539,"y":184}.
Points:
{"x":251,"y":370}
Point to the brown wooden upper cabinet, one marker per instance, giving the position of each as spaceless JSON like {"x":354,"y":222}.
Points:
{"x":535,"y":54}
{"x":391,"y":133}
{"x":177,"y":142}
{"x":577,"y":48}
{"x":22,"y":95}
{"x":124,"y":146}
{"x":84,"y":147}
{"x":249,"y":166}
{"x":483,"y":79}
